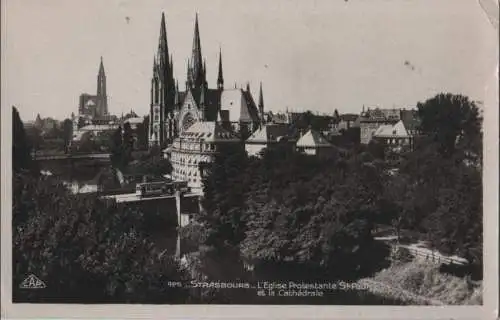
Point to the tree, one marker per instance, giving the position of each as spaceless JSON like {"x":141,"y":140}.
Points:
{"x":67,"y":128}
{"x":86,"y":250}
{"x":157,"y":166}
{"x":336,"y":116}
{"x":34,"y":136}
{"x":142,"y":134}
{"x":451,"y":120}
{"x":87,"y":143}
{"x":128,"y":142}
{"x":21,"y":148}
{"x":116,"y":148}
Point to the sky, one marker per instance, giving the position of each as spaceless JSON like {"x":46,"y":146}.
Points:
{"x":317,"y":55}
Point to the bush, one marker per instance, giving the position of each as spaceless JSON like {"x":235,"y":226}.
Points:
{"x":426,"y":280}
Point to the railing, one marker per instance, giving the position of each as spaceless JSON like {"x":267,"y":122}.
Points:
{"x":428,"y":255}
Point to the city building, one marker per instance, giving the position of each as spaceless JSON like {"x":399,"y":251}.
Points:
{"x":268,"y":136}
{"x":94,"y":130}
{"x":395,"y":139}
{"x":314,"y":143}
{"x":173,"y":111}
{"x":371,"y":119}
{"x":195,"y":147}
{"x":348,"y":121}
{"x":278,"y":118}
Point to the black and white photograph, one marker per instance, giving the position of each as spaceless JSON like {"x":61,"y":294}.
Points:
{"x":269,"y":153}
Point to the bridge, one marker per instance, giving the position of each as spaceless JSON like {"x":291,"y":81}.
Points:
{"x":61,"y":164}
{"x":186,"y":204}
{"x":134,"y":197}
{"x":75,"y":156}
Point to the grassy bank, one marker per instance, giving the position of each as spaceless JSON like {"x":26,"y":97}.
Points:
{"x":419,"y":283}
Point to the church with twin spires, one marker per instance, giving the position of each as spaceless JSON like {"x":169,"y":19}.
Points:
{"x":172,"y":112}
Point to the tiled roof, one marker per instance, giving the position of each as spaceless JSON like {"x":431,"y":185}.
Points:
{"x":269,"y":133}
{"x":208,"y":131}
{"x":382,"y":115}
{"x":392,"y":131}
{"x":240,"y":105}
{"x":313,"y":139}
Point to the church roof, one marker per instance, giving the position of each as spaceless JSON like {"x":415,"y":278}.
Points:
{"x":240,"y":105}
{"x":211,"y":97}
{"x":208,"y":131}
{"x":269,"y":133}
{"x":392,"y":131}
{"x":313,"y":139}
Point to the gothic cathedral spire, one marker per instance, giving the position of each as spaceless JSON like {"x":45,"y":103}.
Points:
{"x":101,"y":90}
{"x":220,"y":78}
{"x":163,"y":56}
{"x":197,"y":73}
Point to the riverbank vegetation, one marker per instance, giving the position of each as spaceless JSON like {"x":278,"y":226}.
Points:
{"x":291,"y":215}
{"x":417,"y":281}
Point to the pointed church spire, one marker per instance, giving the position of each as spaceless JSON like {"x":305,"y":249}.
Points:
{"x":162,"y":43}
{"x":101,"y":91}
{"x":196,"y":58}
{"x":220,"y":78}
{"x":101,"y":68}
{"x":248,"y":87}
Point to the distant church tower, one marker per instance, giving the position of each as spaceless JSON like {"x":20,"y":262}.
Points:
{"x":102,"y":98}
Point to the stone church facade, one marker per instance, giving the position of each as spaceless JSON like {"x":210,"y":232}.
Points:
{"x":173,"y":111}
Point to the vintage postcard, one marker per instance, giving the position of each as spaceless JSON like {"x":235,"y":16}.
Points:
{"x":225,"y":159}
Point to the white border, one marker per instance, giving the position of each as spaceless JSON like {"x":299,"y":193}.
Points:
{"x":487,"y":311}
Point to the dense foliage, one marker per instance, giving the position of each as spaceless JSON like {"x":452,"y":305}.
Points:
{"x":439,"y":188}
{"x":142,"y":134}
{"x":21,"y":146}
{"x":85,"y":249}
{"x":290,"y":208}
